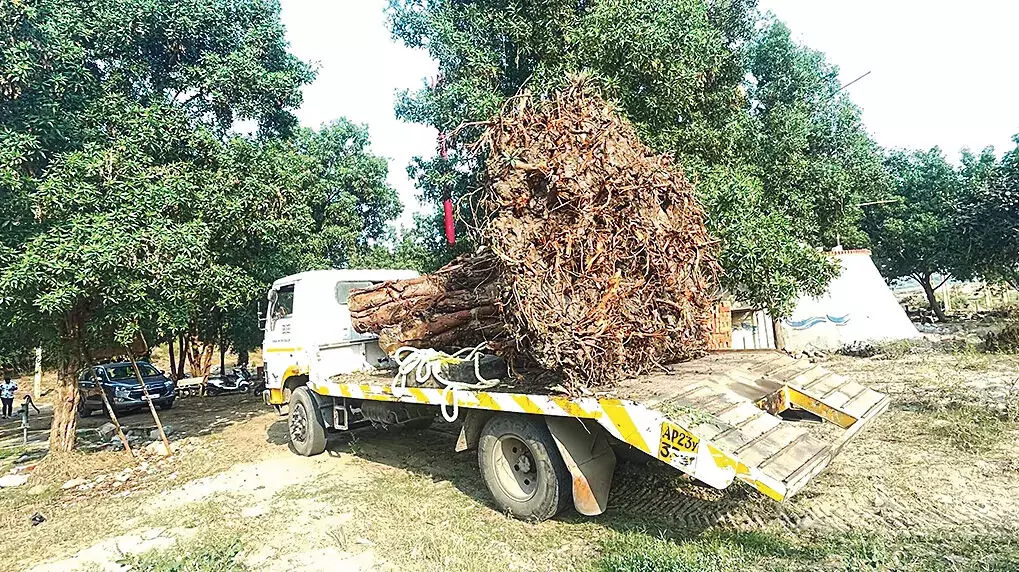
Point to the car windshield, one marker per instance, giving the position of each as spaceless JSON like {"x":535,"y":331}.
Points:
{"x":122,"y":372}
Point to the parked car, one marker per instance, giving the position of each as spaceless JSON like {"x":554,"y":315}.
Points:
{"x":122,"y":388}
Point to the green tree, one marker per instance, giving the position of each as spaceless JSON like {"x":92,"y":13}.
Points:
{"x":724,"y":89}
{"x":990,"y":215}
{"x":917,"y":235}
{"x":351,"y":202}
{"x":112,"y":117}
{"x":815,"y":160}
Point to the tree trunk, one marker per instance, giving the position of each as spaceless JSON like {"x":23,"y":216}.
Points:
{"x":932,"y":300}
{"x":65,"y":405}
{"x":242,"y":358}
{"x":457,"y":306}
{"x":173,"y":362}
{"x":222,"y":358}
{"x":182,"y":344}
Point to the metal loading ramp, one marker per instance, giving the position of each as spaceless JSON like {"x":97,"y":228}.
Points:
{"x":744,"y":404}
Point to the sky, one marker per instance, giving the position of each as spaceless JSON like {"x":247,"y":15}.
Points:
{"x":941,"y":71}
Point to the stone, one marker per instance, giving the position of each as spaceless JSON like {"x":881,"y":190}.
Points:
{"x":72,"y":483}
{"x":107,"y":429}
{"x":38,"y":490}
{"x":13,"y":481}
{"x":157,"y":448}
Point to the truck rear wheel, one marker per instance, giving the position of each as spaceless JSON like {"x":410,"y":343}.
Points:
{"x":307,"y":430}
{"x":522,"y":467}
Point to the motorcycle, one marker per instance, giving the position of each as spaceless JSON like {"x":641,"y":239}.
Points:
{"x":238,"y":380}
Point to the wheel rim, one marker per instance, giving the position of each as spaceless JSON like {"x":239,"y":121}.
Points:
{"x":515,"y":469}
{"x":299,"y":423}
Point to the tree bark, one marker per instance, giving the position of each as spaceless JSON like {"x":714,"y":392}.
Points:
{"x":222,"y":358}
{"x":182,"y":345}
{"x":458,"y":306}
{"x":932,"y":300}
{"x":65,"y":405}
{"x":173,"y":362}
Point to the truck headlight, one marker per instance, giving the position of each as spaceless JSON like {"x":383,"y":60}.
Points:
{"x":121,"y":394}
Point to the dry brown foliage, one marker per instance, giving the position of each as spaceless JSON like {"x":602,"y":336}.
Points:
{"x":596,"y":257}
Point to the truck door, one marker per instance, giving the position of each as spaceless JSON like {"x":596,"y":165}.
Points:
{"x":278,"y":351}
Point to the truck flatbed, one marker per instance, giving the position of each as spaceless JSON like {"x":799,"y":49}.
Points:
{"x":718,"y":418}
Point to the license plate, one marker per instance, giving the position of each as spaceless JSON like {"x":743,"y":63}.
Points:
{"x":152,"y":396}
{"x":677,"y":446}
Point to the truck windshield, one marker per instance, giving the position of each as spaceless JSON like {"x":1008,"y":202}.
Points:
{"x":343,"y":290}
{"x":284,"y":305}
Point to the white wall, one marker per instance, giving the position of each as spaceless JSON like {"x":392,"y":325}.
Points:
{"x":858,"y":306}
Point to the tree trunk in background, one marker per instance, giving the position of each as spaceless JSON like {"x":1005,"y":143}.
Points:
{"x":928,"y":289}
{"x":200,"y":357}
{"x":173,"y":362}
{"x":222,"y":358}
{"x":182,"y":345}
{"x":65,"y":405}
{"x":242,"y":358}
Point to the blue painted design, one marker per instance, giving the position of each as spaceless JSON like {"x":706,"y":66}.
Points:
{"x":807,"y":323}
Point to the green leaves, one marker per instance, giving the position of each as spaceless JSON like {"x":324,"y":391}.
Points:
{"x":917,"y":235}
{"x":351,"y":201}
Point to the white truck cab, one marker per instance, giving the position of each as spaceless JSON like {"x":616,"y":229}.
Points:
{"x":308,"y":334}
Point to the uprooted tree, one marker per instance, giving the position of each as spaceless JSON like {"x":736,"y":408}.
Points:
{"x":595,"y":260}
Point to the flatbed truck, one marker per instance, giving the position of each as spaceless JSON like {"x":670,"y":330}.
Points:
{"x":759,"y":417}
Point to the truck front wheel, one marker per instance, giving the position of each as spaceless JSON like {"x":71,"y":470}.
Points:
{"x":522,"y":467}
{"x":307,"y":431}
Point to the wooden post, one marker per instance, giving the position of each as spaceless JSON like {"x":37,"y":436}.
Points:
{"x":152,"y":406}
{"x":37,"y":385}
{"x":113,"y":414}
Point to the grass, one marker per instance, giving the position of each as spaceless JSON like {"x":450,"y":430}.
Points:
{"x":12,"y":452}
{"x":208,"y":555}
{"x":970,"y":428}
{"x":724,"y":551}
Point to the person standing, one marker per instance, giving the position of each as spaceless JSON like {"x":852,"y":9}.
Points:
{"x":7,"y":389}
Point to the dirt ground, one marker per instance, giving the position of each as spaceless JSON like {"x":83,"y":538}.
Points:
{"x":933,"y":484}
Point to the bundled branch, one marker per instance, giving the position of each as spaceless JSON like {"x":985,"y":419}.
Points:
{"x":595,"y":263}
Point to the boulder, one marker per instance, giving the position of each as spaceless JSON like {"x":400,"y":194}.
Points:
{"x":107,"y":429}
{"x":13,"y":481}
{"x":157,"y":448}
{"x":72,"y":483}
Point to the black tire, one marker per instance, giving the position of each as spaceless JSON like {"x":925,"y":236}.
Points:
{"x":305,"y":425}
{"x":84,"y":412}
{"x":522,"y":467}
{"x":166,"y":405}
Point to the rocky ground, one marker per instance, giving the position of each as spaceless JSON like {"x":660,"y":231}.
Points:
{"x":932,"y":485}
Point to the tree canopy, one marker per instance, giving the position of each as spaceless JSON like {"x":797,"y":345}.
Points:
{"x":129,"y":202}
{"x":989,"y":215}
{"x":916,"y":234}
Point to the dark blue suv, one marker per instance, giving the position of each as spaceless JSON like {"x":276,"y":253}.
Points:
{"x":122,"y":388}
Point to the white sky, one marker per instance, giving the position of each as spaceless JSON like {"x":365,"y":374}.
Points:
{"x":360,"y":70}
{"x":942,"y":72}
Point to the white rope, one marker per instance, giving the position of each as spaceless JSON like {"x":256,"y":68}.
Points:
{"x":427,"y":363}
